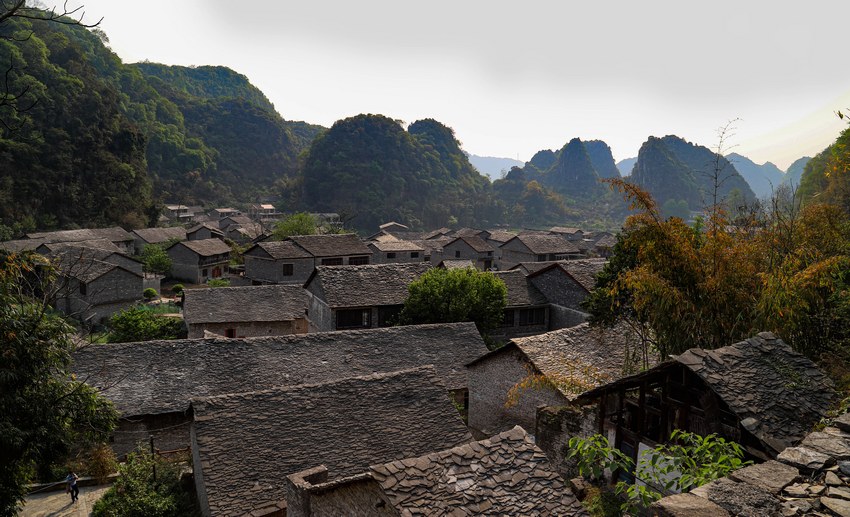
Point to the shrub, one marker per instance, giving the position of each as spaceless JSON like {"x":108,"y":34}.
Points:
{"x":218,"y":282}
{"x":149,"y":293}
{"x":177,"y":288}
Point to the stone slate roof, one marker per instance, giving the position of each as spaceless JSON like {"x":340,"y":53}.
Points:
{"x":476,"y":243}
{"x":331,"y":245}
{"x":69,"y":252}
{"x":101,"y":245}
{"x":440,"y":232}
{"x":501,"y":235}
{"x":248,"y":443}
{"x":777,"y":393}
{"x":155,"y":377}
{"x":259,"y":303}
{"x":85,"y":269}
{"x":456,"y":264}
{"x":280,"y":250}
{"x":396,"y":245}
{"x":606,"y":241}
{"x":366,"y":286}
{"x":543,"y":244}
{"x":521,"y":292}
{"x":467,"y":232}
{"x":503,"y":475}
{"x":579,"y":358}
{"x":159,"y":235}
{"x":243,"y":220}
{"x":584,"y":271}
{"x":205,"y":247}
{"x":19,"y":245}
{"x":114,"y":234}
{"x":213,"y":229}
{"x":433,"y":245}
{"x":568,"y":230}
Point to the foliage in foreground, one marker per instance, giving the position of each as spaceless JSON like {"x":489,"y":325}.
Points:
{"x":137,"y":494}
{"x":141,"y":324}
{"x":686,"y":462}
{"x":452,"y":295}
{"x":44,"y":412}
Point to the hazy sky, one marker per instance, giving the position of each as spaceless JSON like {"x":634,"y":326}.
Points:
{"x":515,"y":77}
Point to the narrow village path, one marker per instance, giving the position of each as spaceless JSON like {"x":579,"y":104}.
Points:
{"x":58,"y":503}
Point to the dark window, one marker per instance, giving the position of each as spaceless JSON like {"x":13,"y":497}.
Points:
{"x":353,"y":318}
{"x":390,"y":255}
{"x":427,"y":258}
{"x":204,"y":272}
{"x":388,"y":316}
{"x":541,"y":258}
{"x":358,"y":261}
{"x":336,"y":261}
{"x":414,"y":254}
{"x":83,"y":288}
{"x":231,"y":333}
{"x":508,"y":318}
{"x":489,"y":253}
{"x":488,"y":264}
{"x":457,"y":253}
{"x":288,"y":270}
{"x":532,"y":316}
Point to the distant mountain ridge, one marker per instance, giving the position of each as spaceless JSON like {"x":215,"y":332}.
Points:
{"x":626,"y":165}
{"x":492,"y":166}
{"x":763,"y":179}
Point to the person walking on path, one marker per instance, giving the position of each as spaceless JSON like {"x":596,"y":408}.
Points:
{"x":73,"y":489}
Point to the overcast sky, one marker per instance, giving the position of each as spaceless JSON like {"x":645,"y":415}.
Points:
{"x":512,"y":78}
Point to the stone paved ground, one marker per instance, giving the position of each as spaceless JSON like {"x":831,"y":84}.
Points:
{"x":58,"y":503}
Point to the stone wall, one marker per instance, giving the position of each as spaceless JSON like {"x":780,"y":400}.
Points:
{"x":115,"y":291}
{"x":512,"y":253}
{"x":505,"y":333}
{"x":320,"y":316}
{"x":564,"y":317}
{"x":490,"y":380}
{"x":251,"y":329}
{"x":556,"y":425}
{"x":309,"y":494}
{"x":267,"y":271}
{"x":170,"y":431}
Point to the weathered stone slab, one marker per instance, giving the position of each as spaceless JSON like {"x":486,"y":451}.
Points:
{"x":772,"y":475}
{"x":828,"y":444}
{"x":832,"y":480}
{"x":743,"y":498}
{"x":844,"y":467}
{"x":804,"y":458}
{"x":686,"y":505}
{"x":838,"y":506}
{"x":840,"y":493}
{"x":843,"y":422}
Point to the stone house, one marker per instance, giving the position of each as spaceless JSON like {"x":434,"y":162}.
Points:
{"x":496,"y":238}
{"x":249,"y":311}
{"x":334,"y":250}
{"x":152,"y":383}
{"x":52,"y":248}
{"x":91,"y":290}
{"x":759,"y":393}
{"x":199,"y":261}
{"x":503,"y":475}
{"x":603,"y":245}
{"x":433,"y":248}
{"x":278,"y":262}
{"x":226,"y":221}
{"x":568,"y":232}
{"x":117,"y":236}
{"x":571,"y":361}
{"x":565,"y":285}
{"x":536,"y":248}
{"x":263,"y":212}
{"x":244,"y":445}
{"x":470,"y":247}
{"x":243,"y":233}
{"x":74,"y":252}
{"x":204,"y":231}
{"x":527,"y":311}
{"x":393,"y":226}
{"x":368,"y":296}
{"x":396,"y":251}
{"x":178,"y":212}
{"x":160,"y":236}
{"x":221,"y":213}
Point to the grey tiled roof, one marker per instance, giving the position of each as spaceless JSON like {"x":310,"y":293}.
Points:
{"x":520,"y":291}
{"x":96,"y":244}
{"x":503,"y":475}
{"x":85,"y":269}
{"x":778,"y":394}
{"x":259,"y":303}
{"x":584,"y":271}
{"x":581,"y":357}
{"x":19,"y":245}
{"x":280,"y":250}
{"x":213,"y":229}
{"x":467,"y":232}
{"x":114,"y":234}
{"x":543,"y":244}
{"x":160,"y":235}
{"x":332,"y":245}
{"x":569,"y":230}
{"x":432,"y":245}
{"x":248,"y":443}
{"x":606,"y":241}
{"x":162,"y":376}
{"x":501,"y":235}
{"x":396,"y":245}
{"x":476,"y":243}
{"x":205,"y":247}
{"x":366,"y":286}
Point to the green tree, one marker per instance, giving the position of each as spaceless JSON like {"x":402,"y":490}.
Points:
{"x":140,"y":324}
{"x":450,"y":295}
{"x":44,"y":411}
{"x":156,"y":260}
{"x":301,"y":223}
{"x":137,"y":493}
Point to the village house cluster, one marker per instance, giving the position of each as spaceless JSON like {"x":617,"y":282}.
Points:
{"x":297,"y":394}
